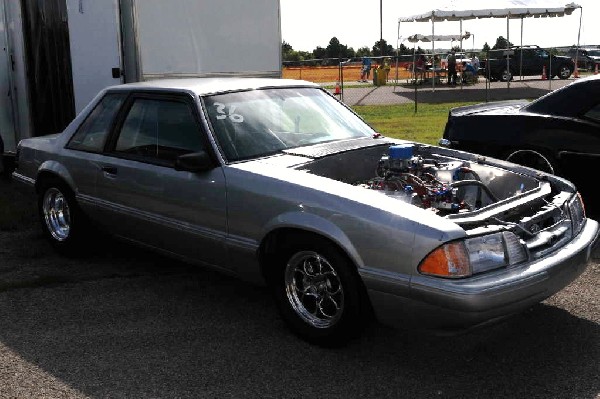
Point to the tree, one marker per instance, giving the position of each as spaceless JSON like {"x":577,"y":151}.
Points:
{"x":404,"y":50}
{"x":501,"y":43}
{"x":486,"y":48}
{"x":363,"y":52}
{"x":289,"y":54}
{"x":319,"y":52}
{"x":388,"y":50}
{"x":337,"y":50}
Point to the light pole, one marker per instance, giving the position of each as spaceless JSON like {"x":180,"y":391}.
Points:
{"x":381,"y":26}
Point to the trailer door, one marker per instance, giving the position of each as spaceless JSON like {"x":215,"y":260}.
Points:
{"x":95,"y":40}
{"x":7,"y":127}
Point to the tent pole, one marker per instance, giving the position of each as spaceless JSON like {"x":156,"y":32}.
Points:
{"x":461,"y":50}
{"x":521,"y":59}
{"x":415,"y":73}
{"x":507,"y":50}
{"x":397,"y":54}
{"x":432,"y":52}
{"x":578,"y":35}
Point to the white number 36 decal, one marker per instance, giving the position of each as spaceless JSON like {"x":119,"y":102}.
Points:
{"x":237,"y":118}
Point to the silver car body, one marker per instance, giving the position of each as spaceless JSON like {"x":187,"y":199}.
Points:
{"x":223,"y":217}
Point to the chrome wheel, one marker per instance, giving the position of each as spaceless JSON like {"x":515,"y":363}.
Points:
{"x":57,"y":214}
{"x":314,"y":289}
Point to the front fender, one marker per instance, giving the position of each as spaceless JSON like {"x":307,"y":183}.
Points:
{"x":318,"y":225}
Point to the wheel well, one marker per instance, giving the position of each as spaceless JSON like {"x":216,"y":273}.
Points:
{"x":272,"y":245}
{"x":276,"y":240}
{"x":46,"y":176}
{"x":547,"y":156}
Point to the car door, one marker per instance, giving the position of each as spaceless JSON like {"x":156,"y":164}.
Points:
{"x":144,"y":198}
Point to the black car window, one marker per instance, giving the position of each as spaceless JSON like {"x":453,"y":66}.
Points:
{"x":91,"y":134}
{"x":594,"y":113}
{"x":159,"y":129}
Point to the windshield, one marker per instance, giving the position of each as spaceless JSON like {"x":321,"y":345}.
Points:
{"x":594,"y":53}
{"x":256,"y":123}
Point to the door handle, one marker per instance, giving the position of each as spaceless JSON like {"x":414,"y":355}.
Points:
{"x":109,"y":170}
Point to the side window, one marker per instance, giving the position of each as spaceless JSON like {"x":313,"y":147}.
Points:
{"x":594,"y":113}
{"x":92,"y":133}
{"x":159,"y":130}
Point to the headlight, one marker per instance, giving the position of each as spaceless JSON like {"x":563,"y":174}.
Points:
{"x":576,"y":213}
{"x":474,"y":255}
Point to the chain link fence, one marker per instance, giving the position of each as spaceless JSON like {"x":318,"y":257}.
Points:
{"x":517,"y":73}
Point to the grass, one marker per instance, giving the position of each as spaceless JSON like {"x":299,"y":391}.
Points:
{"x":400,"y":121}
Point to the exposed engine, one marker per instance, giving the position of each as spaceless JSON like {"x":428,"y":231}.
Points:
{"x":448,"y":187}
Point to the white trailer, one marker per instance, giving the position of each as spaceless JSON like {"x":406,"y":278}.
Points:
{"x":57,"y":54}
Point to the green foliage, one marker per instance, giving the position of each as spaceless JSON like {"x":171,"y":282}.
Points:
{"x":404,"y":50}
{"x":388,"y":50}
{"x":337,"y":50}
{"x":363,"y":52}
{"x":501,"y":43}
{"x":486,"y":48}
{"x":289,"y":54}
{"x":401,"y":121}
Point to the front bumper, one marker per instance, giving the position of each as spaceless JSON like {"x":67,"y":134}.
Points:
{"x":436,"y":303}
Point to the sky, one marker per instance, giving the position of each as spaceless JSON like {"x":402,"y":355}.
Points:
{"x":306,"y":24}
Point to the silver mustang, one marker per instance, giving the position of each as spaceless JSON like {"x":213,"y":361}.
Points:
{"x":278,"y":182}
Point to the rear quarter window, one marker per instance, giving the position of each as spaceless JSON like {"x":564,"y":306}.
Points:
{"x":92,"y":133}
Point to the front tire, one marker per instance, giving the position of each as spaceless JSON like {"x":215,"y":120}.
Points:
{"x":564,"y":72}
{"x":506,"y":75}
{"x":318,"y":291}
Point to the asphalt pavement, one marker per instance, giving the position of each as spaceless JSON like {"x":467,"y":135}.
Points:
{"x":122,"y":322}
{"x":355,"y":93}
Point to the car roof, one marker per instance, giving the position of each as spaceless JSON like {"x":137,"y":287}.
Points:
{"x":205,"y":86}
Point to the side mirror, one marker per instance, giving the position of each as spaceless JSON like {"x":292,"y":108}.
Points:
{"x":194,"y":162}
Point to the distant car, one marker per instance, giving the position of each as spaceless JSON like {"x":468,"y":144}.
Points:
{"x":460,"y":57}
{"x":505,"y":64}
{"x":558,"y":133}
{"x":278,"y":182}
{"x":587,"y":58}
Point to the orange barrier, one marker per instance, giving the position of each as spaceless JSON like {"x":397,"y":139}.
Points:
{"x":544,"y":77}
{"x":322,"y":74}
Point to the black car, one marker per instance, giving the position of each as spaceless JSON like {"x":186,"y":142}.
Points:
{"x":558,"y":133}
{"x":526,"y":61}
{"x":587,"y":58}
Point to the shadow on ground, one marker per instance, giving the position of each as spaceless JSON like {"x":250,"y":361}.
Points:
{"x":129,"y":323}
{"x":444,"y":94}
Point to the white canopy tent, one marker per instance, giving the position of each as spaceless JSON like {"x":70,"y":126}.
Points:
{"x":437,"y":38}
{"x":432,"y":39}
{"x":509,"y":13}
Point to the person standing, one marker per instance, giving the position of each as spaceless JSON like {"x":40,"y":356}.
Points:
{"x":386,"y":68}
{"x":365,"y":69}
{"x":419,"y":70}
{"x":452,"y":68}
{"x":475,"y":63}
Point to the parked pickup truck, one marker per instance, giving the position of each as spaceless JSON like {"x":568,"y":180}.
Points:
{"x":526,"y":61}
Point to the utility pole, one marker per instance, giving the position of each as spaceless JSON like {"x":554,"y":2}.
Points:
{"x":381,"y":26}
